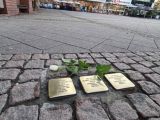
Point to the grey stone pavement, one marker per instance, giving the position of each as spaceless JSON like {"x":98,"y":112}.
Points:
{"x":55,"y":31}
{"x":29,"y":44}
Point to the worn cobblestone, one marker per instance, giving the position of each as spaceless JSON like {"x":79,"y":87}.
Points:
{"x":121,"y":110}
{"x":84,"y":55}
{"x":5,"y":57}
{"x":20,"y":112}
{"x":144,"y":105}
{"x":70,"y":56}
{"x":90,"y":109}
{"x":156,"y":69}
{"x":149,"y":87}
{"x":53,"y":62}
{"x":138,"y":59}
{"x":15,"y":64}
{"x":21,"y":57}
{"x":102,"y":61}
{"x":2,"y":63}
{"x":57,"y":56}
{"x":56,"y":112}
{"x":10,"y":74}
{"x":35,"y":64}
{"x":28,"y":75}
{"x":156,"y":98}
{"x":41,"y":56}
{"x":3,"y":101}
{"x":113,"y":59}
{"x":141,"y":53}
{"x":141,"y":68}
{"x":150,"y":58}
{"x":88,"y":60}
{"x":96,"y":55}
{"x":122,"y":66}
{"x":127,"y":60}
{"x":24,"y":92}
{"x":154,"y":78}
{"x":134,"y":75}
{"x":5,"y":86}
{"x":106,"y":55}
{"x":147,"y":63}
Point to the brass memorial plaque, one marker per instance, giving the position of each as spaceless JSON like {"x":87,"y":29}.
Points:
{"x":119,"y":81}
{"x":92,"y":84}
{"x":61,"y":87}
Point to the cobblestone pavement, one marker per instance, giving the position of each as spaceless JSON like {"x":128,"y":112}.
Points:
{"x":56,"y":31}
{"x":23,"y":88}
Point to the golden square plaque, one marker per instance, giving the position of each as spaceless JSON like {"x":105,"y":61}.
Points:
{"x":92,"y":84}
{"x":61,"y":87}
{"x":119,"y":81}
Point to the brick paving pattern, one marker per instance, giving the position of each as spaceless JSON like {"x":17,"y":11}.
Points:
{"x":23,"y":88}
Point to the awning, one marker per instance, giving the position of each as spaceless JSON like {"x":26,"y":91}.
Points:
{"x":100,"y":1}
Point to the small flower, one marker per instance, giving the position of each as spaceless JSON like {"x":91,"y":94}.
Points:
{"x":53,"y":67}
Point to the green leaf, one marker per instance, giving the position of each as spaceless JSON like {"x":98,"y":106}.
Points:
{"x":102,"y":69}
{"x":83,"y":65}
{"x":72,"y":69}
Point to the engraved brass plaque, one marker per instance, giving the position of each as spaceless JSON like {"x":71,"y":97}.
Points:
{"x":92,"y":84}
{"x":61,"y":87}
{"x":119,"y":81}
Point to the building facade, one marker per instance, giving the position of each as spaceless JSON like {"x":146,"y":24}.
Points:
{"x":14,"y":7}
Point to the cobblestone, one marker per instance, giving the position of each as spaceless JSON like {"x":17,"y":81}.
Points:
{"x":10,"y":74}
{"x":84,"y":55}
{"x":15,"y":64}
{"x":154,"y":78}
{"x":30,"y":75}
{"x":156,"y":98}
{"x":106,"y":55}
{"x":57,"y":56}
{"x":5,"y":57}
{"x":134,"y":75}
{"x":24,"y":92}
{"x":113,"y":60}
{"x":88,"y":60}
{"x":121,"y":110}
{"x":140,"y":53}
{"x":138,"y":59}
{"x":156,"y":69}
{"x":70,"y":56}
{"x":56,"y":112}
{"x":20,"y":112}
{"x":144,"y":105}
{"x":3,"y":100}
{"x":129,"y":54}
{"x":150,"y":58}
{"x":154,"y":119}
{"x":157,"y":63}
{"x":102,"y":61}
{"x":96,"y":55}
{"x":53,"y":62}
{"x":149,"y":87}
{"x":141,"y":68}
{"x":25,"y":89}
{"x":35,"y":64}
{"x":127,"y":60}
{"x":120,"y":54}
{"x":41,"y":56}
{"x":122,"y":66}
{"x":90,"y":109}
{"x":5,"y":86}
{"x":21,"y":57}
{"x":2,"y":63}
{"x":147,"y":63}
